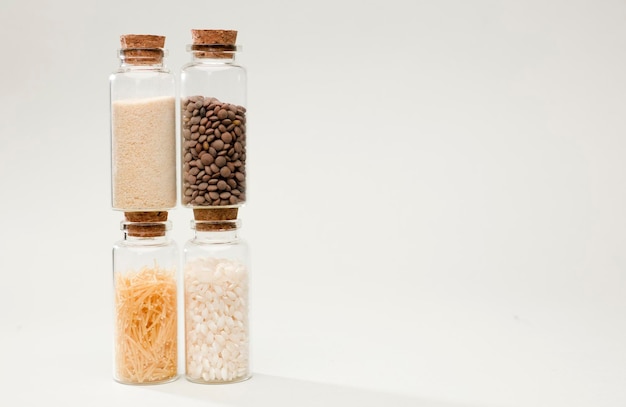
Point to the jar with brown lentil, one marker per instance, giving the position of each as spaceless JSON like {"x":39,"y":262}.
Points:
{"x":213,"y":122}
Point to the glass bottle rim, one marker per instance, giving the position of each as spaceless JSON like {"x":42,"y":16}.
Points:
{"x":125,"y":225}
{"x":132,"y":53}
{"x":221,"y":48}
{"x":215,"y":225}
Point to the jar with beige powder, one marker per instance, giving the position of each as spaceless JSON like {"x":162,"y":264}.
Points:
{"x":143,"y":127}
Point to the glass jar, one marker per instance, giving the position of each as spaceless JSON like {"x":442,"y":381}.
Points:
{"x":143,"y":127}
{"x":216,"y":267}
{"x":145,"y":267}
{"x":213,"y":122}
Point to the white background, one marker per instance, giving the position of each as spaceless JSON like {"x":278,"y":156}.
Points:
{"x":436,"y":201}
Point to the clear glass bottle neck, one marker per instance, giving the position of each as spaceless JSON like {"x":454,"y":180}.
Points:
{"x":216,"y":236}
{"x":202,"y":57}
{"x":145,"y":240}
{"x":213,"y":61}
{"x":129,"y":66}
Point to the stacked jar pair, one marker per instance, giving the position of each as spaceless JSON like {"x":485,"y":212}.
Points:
{"x":213,"y":184}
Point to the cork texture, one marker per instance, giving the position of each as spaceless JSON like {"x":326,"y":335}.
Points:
{"x":204,"y":39}
{"x":208,"y":37}
{"x":213,"y":216}
{"x":160,"y":216}
{"x":146,"y":224}
{"x":142,"y":41}
{"x":142,"y":49}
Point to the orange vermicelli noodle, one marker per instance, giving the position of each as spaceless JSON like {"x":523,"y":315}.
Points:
{"x":145,"y":331}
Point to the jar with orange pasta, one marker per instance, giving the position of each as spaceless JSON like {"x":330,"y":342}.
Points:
{"x":145,"y":264}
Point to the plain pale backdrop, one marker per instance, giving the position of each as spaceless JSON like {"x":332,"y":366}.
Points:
{"x":436,"y":201}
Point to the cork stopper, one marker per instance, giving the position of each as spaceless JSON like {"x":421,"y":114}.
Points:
{"x":146,"y":224}
{"x":208,"y":219}
{"x":214,"y":43}
{"x":209,"y":37}
{"x":141,"y":49}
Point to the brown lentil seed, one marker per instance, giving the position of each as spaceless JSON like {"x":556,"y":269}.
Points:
{"x":225,"y":172}
{"x":227,"y":137}
{"x":217,"y":144}
{"x":207,"y":159}
{"x":220,"y":161}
